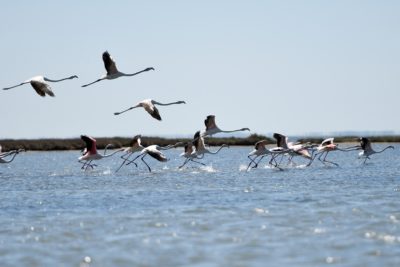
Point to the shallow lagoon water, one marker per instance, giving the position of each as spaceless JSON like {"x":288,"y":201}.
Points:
{"x":54,"y":214}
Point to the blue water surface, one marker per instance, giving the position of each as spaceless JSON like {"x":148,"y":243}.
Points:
{"x":54,"y":214}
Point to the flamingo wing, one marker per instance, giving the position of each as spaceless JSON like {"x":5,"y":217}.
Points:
{"x":365,"y":143}
{"x":188,"y":148}
{"x":154,"y":113}
{"x":90,"y":143}
{"x":260,"y":144}
{"x":42,"y":88}
{"x":327,"y":141}
{"x":109,"y":63}
{"x":135,"y":140}
{"x":154,"y":153}
{"x":210,"y":122}
{"x":281,"y":140}
{"x":198,"y":141}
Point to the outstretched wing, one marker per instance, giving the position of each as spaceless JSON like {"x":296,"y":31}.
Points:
{"x":198,"y":141}
{"x":365,"y":143}
{"x":281,"y":140}
{"x":109,"y":63}
{"x":210,"y":122}
{"x":90,"y":142}
{"x":135,"y":141}
{"x":42,"y":88}
{"x":327,"y":141}
{"x":155,"y":113}
{"x":188,"y":148}
{"x":260,"y":144}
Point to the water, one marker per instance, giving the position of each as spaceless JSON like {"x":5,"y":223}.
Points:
{"x":54,"y":214}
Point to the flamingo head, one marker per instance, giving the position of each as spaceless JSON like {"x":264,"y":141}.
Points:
{"x":74,"y":77}
{"x":147,"y":69}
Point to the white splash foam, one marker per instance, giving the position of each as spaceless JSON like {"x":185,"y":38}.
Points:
{"x":319,"y":230}
{"x":242,"y":167}
{"x":261,"y":211}
{"x":208,"y":169}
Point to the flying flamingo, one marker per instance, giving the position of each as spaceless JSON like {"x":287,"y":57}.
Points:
{"x":90,"y":152}
{"x":189,"y":155}
{"x":198,"y":142}
{"x":212,"y":128}
{"x":155,"y":152}
{"x":134,"y":146}
{"x":39,"y":83}
{"x":324,"y":148}
{"x":365,"y":145}
{"x":295,"y":149}
{"x":8,"y":153}
{"x":112,"y":71}
{"x":149,"y":106}
{"x":261,"y":151}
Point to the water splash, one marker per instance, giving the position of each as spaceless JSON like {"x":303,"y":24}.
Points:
{"x":242,"y":167}
{"x":209,"y":169}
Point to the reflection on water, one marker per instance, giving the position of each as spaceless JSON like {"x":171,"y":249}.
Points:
{"x":54,"y":214}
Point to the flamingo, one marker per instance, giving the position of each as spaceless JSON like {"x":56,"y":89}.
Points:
{"x":112,"y":71}
{"x":212,"y":128}
{"x":294,"y":149}
{"x":261,"y":151}
{"x":149,"y":106}
{"x":188,"y":154}
{"x":39,"y":83}
{"x":365,"y":145}
{"x":134,"y":146}
{"x":324,"y":148}
{"x":9,"y":153}
{"x":155,"y":152}
{"x":198,"y":142}
{"x":90,"y":152}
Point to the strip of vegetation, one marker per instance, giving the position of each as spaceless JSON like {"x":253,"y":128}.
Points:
{"x":118,"y":142}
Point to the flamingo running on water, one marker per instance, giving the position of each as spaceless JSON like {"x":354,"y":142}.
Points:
{"x":12,"y":153}
{"x":189,"y":155}
{"x":134,"y":146}
{"x":90,"y":152}
{"x":149,"y":106}
{"x":367,"y":150}
{"x":212,"y":128}
{"x":112,"y":71}
{"x":261,"y":151}
{"x":39,"y":83}
{"x":155,"y":152}
{"x":294,"y":149}
{"x":324,"y":148}
{"x":200,"y":149}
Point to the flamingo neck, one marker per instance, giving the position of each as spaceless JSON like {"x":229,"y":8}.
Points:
{"x":384,"y":149}
{"x":50,"y":80}
{"x":132,"y":74}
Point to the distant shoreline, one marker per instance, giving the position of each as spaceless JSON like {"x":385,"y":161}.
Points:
{"x":48,"y":144}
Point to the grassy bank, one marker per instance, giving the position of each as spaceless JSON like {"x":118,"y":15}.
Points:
{"x":77,"y":143}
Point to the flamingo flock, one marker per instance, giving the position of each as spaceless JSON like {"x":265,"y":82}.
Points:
{"x":196,"y":149}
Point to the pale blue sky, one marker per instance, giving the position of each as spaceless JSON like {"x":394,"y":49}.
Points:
{"x":294,"y":67}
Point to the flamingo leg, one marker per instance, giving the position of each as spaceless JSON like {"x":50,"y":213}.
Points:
{"x":251,"y":161}
{"x":146,"y":162}
{"x":197,"y":162}
{"x":276,"y":165}
{"x":133,"y":161}
{"x":331,"y":162}
{"x":184,"y":163}
{"x":256,"y":165}
{"x":125,"y":160}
